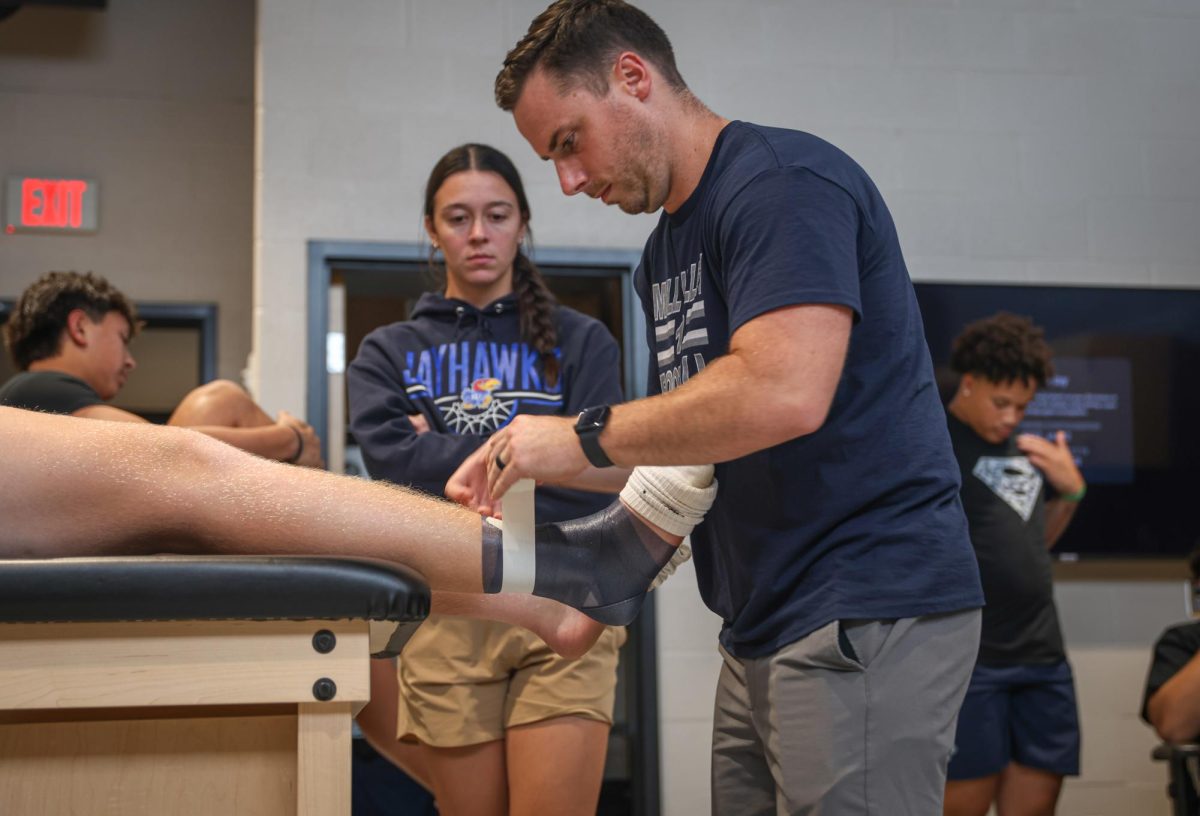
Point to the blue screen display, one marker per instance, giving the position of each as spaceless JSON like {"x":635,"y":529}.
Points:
{"x":1126,"y":391}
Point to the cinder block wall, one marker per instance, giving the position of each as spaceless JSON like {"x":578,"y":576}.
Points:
{"x":1015,"y":141}
{"x":154,"y":100}
{"x":1054,"y":141}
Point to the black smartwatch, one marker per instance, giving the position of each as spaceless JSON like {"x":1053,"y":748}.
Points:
{"x":589,"y":426}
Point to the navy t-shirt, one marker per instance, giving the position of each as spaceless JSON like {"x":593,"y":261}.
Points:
{"x":862,"y":518}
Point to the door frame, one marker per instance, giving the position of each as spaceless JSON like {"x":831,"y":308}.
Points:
{"x":325,"y":255}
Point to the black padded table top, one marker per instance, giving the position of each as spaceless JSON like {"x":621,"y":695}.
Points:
{"x":183,"y":587}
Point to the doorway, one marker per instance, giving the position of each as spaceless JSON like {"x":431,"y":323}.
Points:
{"x":354,"y":288}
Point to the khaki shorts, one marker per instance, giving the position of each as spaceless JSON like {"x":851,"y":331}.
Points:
{"x":464,"y":681}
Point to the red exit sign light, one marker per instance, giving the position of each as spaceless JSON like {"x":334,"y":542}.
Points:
{"x":51,"y":205}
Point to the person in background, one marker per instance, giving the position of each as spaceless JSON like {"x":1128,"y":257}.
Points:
{"x":1171,"y":702}
{"x":484,"y":713}
{"x":69,"y":337}
{"x":1018,"y":731}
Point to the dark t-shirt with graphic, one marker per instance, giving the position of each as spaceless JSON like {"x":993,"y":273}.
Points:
{"x":860,"y":519}
{"x":51,"y":392}
{"x":1174,"y":650}
{"x":1004,"y":496}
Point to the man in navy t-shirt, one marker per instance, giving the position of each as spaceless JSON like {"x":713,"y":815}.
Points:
{"x":788,"y":348}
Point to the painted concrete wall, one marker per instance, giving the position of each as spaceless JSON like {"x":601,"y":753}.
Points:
{"x":1052,"y":141}
{"x":154,"y":100}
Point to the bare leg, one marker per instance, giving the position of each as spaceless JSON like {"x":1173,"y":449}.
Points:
{"x":570,"y":784}
{"x":971,"y":797}
{"x":69,"y":487}
{"x":469,"y":781}
{"x":220,"y":402}
{"x":1026,"y":791}
{"x":224,"y":410}
{"x":567,"y":631}
{"x":378,"y":720}
{"x":516,"y":771}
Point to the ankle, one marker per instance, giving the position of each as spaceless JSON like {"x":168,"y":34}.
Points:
{"x":669,"y":537}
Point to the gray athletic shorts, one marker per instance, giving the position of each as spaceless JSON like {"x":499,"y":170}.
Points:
{"x":857,"y":717}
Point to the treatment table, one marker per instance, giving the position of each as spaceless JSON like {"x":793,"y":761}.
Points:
{"x":190,"y":685}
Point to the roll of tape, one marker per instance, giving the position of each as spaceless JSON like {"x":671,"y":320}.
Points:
{"x":520,"y":562}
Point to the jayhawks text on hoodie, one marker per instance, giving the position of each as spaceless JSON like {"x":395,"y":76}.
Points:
{"x":468,"y":373}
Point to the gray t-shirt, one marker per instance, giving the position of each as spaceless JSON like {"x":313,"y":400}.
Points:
{"x":51,"y":392}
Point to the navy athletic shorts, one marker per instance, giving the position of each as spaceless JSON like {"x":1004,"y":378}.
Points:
{"x":1025,"y":714}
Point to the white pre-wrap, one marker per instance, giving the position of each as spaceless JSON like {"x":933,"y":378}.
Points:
{"x":674,"y":497}
{"x":520,"y":561}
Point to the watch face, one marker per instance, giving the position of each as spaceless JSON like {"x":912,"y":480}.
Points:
{"x":593,"y":417}
{"x":589,"y":427}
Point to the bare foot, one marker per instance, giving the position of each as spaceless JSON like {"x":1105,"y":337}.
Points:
{"x":567,"y":631}
{"x":573,"y":634}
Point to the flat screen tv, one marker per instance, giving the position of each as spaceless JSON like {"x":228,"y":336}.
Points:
{"x":1126,"y":390}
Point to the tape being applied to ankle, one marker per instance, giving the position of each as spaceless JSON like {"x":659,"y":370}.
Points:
{"x":517,"y":537}
{"x":600,"y":564}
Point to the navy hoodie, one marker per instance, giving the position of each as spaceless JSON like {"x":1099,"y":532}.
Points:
{"x":468,"y":373}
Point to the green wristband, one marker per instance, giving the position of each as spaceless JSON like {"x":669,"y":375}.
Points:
{"x":1077,"y":496}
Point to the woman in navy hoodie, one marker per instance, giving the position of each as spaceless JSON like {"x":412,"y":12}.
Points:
{"x":489,"y":718}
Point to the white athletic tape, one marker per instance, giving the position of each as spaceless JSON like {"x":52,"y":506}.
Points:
{"x":520,"y":563}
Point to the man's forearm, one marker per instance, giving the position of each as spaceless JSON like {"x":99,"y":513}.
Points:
{"x":714,"y":417}
{"x":776,"y":383}
{"x":600,"y":480}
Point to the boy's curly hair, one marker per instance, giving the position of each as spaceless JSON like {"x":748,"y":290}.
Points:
{"x":1003,"y":348}
{"x":34,"y":331}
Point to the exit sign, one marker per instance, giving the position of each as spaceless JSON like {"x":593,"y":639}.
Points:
{"x":50,"y":205}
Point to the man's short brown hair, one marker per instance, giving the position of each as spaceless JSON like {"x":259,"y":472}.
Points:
{"x":34,"y":331}
{"x":577,"y":41}
{"x":1003,"y":348}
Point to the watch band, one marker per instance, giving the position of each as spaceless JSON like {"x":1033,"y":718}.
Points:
{"x":588,"y":428}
